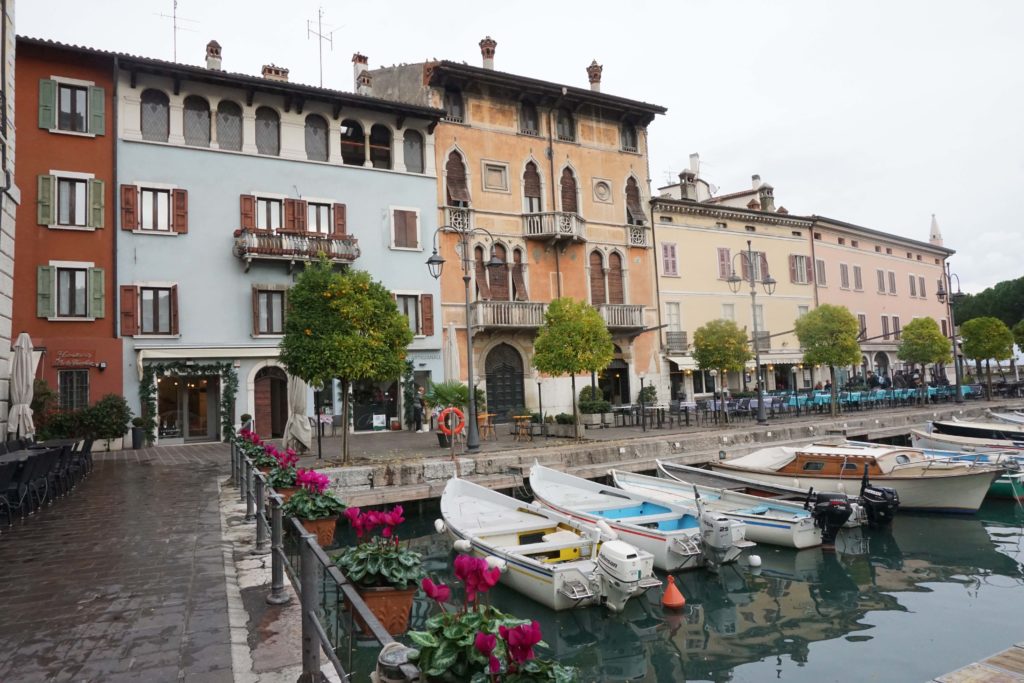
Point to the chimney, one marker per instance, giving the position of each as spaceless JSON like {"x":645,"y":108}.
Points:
{"x":360,"y":63}
{"x":594,"y":75}
{"x":766,"y":193}
{"x":487,"y":46}
{"x":755,"y":181}
{"x":695,"y":164}
{"x":935,"y":235}
{"x":273,"y":72}
{"x":687,"y":186}
{"x":213,"y":55}
{"x":364,"y":83}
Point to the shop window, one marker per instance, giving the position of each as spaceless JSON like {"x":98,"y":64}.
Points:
{"x":73,"y":389}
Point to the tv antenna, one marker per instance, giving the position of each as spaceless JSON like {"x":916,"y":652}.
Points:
{"x":173,"y":16}
{"x":321,"y":38}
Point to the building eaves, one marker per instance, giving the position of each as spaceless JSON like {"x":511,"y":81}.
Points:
{"x":882,"y":235}
{"x":135,"y":63}
{"x":717,"y":210}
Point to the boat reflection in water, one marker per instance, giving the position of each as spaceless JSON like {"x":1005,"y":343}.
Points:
{"x":804,"y":615}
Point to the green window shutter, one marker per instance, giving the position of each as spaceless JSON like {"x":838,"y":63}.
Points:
{"x":97,"y":111}
{"x":47,"y":103}
{"x":97,"y":291}
{"x":46,"y":303}
{"x":96,"y":203}
{"x":45,"y":200}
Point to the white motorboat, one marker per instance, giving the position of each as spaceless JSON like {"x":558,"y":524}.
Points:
{"x":549,"y":557}
{"x":979,"y":430}
{"x":776,"y":522}
{"x":922,"y":483}
{"x":679,"y":537}
{"x":924,"y":438}
{"x":1015,"y":417}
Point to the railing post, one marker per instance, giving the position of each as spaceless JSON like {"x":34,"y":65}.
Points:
{"x":308,"y":594}
{"x":242,"y":481}
{"x":234,"y":463}
{"x":261,"y":520}
{"x":250,"y":511}
{"x":278,"y":595}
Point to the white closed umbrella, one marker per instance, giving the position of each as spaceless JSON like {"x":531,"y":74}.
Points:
{"x":19,"y":420}
{"x":297,"y":429}
{"x":451,"y":354}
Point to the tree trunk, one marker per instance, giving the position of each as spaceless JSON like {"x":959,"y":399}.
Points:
{"x":575,"y":412}
{"x":721,"y":393}
{"x":988,"y":378}
{"x":344,"y":422}
{"x":834,"y":402}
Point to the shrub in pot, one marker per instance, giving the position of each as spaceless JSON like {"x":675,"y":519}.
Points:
{"x":315,"y":506}
{"x":592,"y":411}
{"x":648,"y":395}
{"x":138,"y":432}
{"x":384,"y":571}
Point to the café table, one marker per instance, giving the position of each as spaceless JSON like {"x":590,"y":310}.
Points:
{"x":524,"y":427}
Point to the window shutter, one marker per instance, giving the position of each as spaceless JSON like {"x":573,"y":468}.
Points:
{"x":569,"y":204}
{"x":913,"y":286}
{"x":412,"y":230}
{"x":97,"y":201}
{"x":920,"y":288}
{"x":616,"y":291}
{"x":723,"y":264}
{"x":792,"y":268}
{"x":289,"y":215}
{"x":483,"y":289}
{"x":427,"y":314}
{"x":45,"y":200}
{"x":46,"y":303}
{"x":129,"y":207}
{"x":248,"y":211}
{"x":745,"y":266}
{"x":340,"y":220}
{"x":300,"y":215}
{"x":97,"y":111}
{"x":129,"y":310}
{"x":598,"y":295}
{"x":98,"y":295}
{"x":47,"y":104}
{"x":764,"y":267}
{"x":255,"y":311}
{"x":519,"y":282}
{"x":633,"y":205}
{"x":455,"y":172}
{"x":810,"y":271}
{"x":531,"y":181}
{"x":174,"y":309}
{"x":179,"y":200}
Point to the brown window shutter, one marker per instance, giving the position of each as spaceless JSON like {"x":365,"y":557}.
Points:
{"x":248,"y":210}
{"x":724,"y":263}
{"x":569,"y":204}
{"x":174,"y":309}
{"x":255,"y":311}
{"x":616,"y":292}
{"x":498,"y":275}
{"x":129,"y":207}
{"x":745,"y":266}
{"x":810,"y":270}
{"x":427,"y":314}
{"x":519,"y":282}
{"x":765,"y":274}
{"x":179,"y":199}
{"x":455,"y":172}
{"x":289,"y":215}
{"x":398,"y":219}
{"x":301,"y":211}
{"x":531,"y":181}
{"x":483,"y":289}
{"x":406,"y":229}
{"x":340,"y":220}
{"x":129,"y":310}
{"x":633,"y":205}
{"x":792,"y":268}
{"x":597,"y":294}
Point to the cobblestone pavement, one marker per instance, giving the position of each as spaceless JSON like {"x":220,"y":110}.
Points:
{"x":123,"y":579}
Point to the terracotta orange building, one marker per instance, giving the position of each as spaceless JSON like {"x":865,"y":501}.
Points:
{"x":64,"y":273}
{"x":556,"y":179}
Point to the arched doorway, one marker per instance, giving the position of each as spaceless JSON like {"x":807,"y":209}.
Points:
{"x":270,"y":397}
{"x":614,"y":380}
{"x":504,"y":368}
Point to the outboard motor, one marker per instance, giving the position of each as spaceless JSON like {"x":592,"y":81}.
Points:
{"x":829,"y":511}
{"x":880,"y":502}
{"x":722,"y":539}
{"x":625,"y":572}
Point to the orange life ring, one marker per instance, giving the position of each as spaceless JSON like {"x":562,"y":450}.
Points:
{"x":442,"y":422}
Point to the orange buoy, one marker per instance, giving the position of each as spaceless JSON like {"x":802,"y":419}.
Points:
{"x":672,"y":598}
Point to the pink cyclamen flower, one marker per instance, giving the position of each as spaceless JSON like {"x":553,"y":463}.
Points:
{"x":476,"y":575}
{"x":436,"y":591}
{"x":520,"y":640}
{"x":312,"y":481}
{"x":485,"y":644}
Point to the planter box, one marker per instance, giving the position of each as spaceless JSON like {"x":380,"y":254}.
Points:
{"x":608,"y":419}
{"x":111,"y":444}
{"x":564,"y":431}
{"x":591,"y":419}
{"x":323,"y":528}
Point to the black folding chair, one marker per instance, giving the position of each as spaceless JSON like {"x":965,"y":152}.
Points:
{"x":8,"y":471}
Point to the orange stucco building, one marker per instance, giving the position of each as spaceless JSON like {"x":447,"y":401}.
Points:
{"x":554,"y":178}
{"x":64,"y":274}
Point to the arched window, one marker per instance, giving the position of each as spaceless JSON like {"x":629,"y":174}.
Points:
{"x":316,"y":138}
{"x":531,"y":188}
{"x":413,"y":147}
{"x":453,"y":106}
{"x":380,"y":146}
{"x":597,"y":289}
{"x":229,"y":126}
{"x":156,"y":116}
{"x":353,"y":143}
{"x":528,"y":120}
{"x":518,"y":276}
{"x":569,"y":194}
{"x":566,"y":128}
{"x":483,"y":290}
{"x":627,"y":133}
{"x":616,"y":293}
{"x":497,"y":276}
{"x":196,"y":122}
{"x":634,"y":209}
{"x":268,"y":131}
{"x":455,"y":177}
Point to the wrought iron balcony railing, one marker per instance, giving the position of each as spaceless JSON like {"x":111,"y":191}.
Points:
{"x":554,"y":225}
{"x":253,"y":245}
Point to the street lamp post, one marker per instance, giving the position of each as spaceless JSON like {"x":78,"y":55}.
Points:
{"x":946,"y":296}
{"x":768,"y":282}
{"x":435,"y":264}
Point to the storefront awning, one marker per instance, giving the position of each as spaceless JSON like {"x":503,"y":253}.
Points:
{"x":683,"y":362}
{"x":179,"y":352}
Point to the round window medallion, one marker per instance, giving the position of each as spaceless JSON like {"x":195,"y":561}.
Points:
{"x":602,"y":191}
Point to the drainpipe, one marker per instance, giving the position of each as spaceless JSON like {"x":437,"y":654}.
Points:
{"x":554,"y":203}
{"x":115,"y":230}
{"x":814,"y":265}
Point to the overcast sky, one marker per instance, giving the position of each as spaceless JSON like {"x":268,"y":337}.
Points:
{"x":874,"y":112}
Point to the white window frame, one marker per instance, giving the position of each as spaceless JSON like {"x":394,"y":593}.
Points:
{"x":391,"y":228}
{"x":677,"y":324}
{"x":729,"y":312}
{"x":87,"y":266}
{"x":88,"y":386}
{"x":418,"y":334}
{"x":800,"y":265}
{"x":802,"y":310}
{"x":75,"y":83}
{"x":487,"y":164}
{"x":69,"y":175}
{"x":141,"y":185}
{"x":268,"y":196}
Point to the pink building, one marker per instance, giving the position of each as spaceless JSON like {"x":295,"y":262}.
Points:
{"x":883,"y":279}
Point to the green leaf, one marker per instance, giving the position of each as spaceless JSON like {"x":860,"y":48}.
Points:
{"x":423,"y":639}
{"x":444,"y":657}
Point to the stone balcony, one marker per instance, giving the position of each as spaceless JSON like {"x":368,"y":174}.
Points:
{"x":619,"y":316}
{"x":266,"y":245}
{"x":508,"y":314}
{"x":554,"y":226}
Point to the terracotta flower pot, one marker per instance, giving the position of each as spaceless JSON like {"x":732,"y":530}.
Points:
{"x":265,"y":470}
{"x":287,"y":492}
{"x":390,"y":605}
{"x":323,"y":528}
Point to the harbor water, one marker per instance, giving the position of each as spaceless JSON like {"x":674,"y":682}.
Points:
{"x":910,"y":603}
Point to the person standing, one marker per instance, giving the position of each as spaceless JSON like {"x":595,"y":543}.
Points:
{"x":419,"y":411}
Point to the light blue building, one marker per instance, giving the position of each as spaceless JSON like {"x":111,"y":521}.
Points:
{"x":228,"y":185}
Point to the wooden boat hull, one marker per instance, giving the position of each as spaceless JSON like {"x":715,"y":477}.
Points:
{"x":773,"y":522}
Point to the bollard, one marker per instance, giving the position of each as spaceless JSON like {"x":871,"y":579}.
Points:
{"x":250,"y":511}
{"x":234,"y":464}
{"x":308,"y":580}
{"x":242,"y":481}
{"x":278,"y":595}
{"x":261,"y":520}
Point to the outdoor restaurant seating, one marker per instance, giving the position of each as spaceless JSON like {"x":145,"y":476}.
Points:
{"x":36,"y":475}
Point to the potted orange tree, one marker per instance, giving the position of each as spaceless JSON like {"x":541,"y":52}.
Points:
{"x":315,"y":506}
{"x":384,"y":571}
